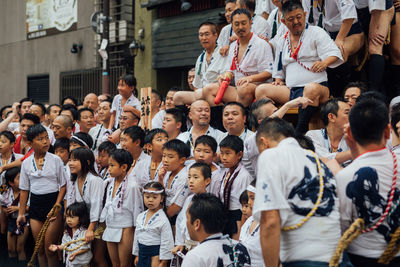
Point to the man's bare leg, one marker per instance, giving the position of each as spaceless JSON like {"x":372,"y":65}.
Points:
{"x":210,"y":92}
{"x":245,"y":94}
{"x":277,"y":93}
{"x":187,"y":97}
{"x":353,"y":44}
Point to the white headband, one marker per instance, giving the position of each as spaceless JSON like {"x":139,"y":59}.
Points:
{"x":80,"y":140}
{"x":251,"y":189}
{"x":153,"y":192}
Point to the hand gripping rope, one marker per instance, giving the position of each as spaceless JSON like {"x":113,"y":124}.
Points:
{"x":357,"y":228}
{"x":314,"y":209}
{"x":40,"y":238}
{"x":97,"y":234}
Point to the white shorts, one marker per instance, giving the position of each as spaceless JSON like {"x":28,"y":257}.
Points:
{"x":112,"y":234}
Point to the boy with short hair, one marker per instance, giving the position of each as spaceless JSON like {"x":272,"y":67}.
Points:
{"x":105,"y":149}
{"x":173,"y":122}
{"x":156,"y":140}
{"x":205,"y":151}
{"x":175,"y":153}
{"x":235,"y":181}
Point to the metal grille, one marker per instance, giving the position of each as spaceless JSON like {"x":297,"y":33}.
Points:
{"x":79,"y":83}
{"x":174,"y":9}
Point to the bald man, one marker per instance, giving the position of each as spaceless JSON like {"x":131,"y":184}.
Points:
{"x":91,"y":101}
{"x":62,"y":126}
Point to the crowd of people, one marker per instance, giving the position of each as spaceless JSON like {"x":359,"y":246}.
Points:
{"x":222,"y":179}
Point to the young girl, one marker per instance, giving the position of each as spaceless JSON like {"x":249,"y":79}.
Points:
{"x":86,"y":186}
{"x":43,"y":176}
{"x":123,"y":204}
{"x":153,"y":235}
{"x":76,"y":221}
{"x":80,"y":140}
{"x":16,"y":238}
{"x":7,"y":142}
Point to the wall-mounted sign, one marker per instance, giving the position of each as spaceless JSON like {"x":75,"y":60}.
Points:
{"x":47,"y":17}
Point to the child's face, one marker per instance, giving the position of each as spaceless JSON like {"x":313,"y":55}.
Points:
{"x":157,"y":144}
{"x":75,"y":165}
{"x":24,"y":126}
{"x":5,"y":144}
{"x":246,"y":210}
{"x":251,"y":199}
{"x":62,"y":153}
{"x":124,"y":89}
{"x":171,"y":160}
{"x":196,"y":181}
{"x":114,"y":168}
{"x":102,"y":159}
{"x":169,"y":124}
{"x":73,"y":145}
{"x":41,"y":143}
{"x":229,"y":157}
{"x":203,"y":153}
{"x":128,"y":144}
{"x":15,"y":184}
{"x":71,"y":220}
{"x":152,"y":201}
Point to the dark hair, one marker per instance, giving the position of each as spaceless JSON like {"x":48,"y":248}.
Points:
{"x":371,"y":95}
{"x":394,"y":118}
{"x":30,"y":117}
{"x":157,"y":93}
{"x":368,"y":119}
{"x":330,"y":106}
{"x":174,"y":89}
{"x":240,"y":105}
{"x":210,"y":211}
{"x":107,"y":146}
{"x":250,"y":4}
{"x":130,"y":80}
{"x":177,"y":114}
{"x":290,"y":6}
{"x":204,"y":168}
{"x":25,"y":99}
{"x":72,"y":109}
{"x":4,"y":108}
{"x":158,"y":186}
{"x":274,"y":128}
{"x":69,"y":97}
{"x":48,"y":110}
{"x":135,"y":133}
{"x":241,"y":11}
{"x":360,"y":85}
{"x":207,"y":140}
{"x":83,"y":110}
{"x":305,"y":142}
{"x":108,"y":100}
{"x":34,"y":131}
{"x":80,"y":210}
{"x":150,"y":136}
{"x":211,"y":24}
{"x":9,"y":135}
{"x":10,"y":174}
{"x":87,"y":160}
{"x":82,"y":136}
{"x":244,"y":198}
{"x":255,"y":111}
{"x":230,"y":1}
{"x":41,"y":106}
{"x":62,"y":143}
{"x":122,"y":157}
{"x":179,"y":147}
{"x":233,"y":142}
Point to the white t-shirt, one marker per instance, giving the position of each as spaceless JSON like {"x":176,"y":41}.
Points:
{"x":290,"y":183}
{"x":371,"y":4}
{"x":224,"y":35}
{"x":257,"y":58}
{"x":206,"y":73}
{"x":260,"y":26}
{"x":178,"y":190}
{"x":363,"y":190}
{"x":157,"y":231}
{"x":263,"y":6}
{"x":216,"y":250}
{"x":250,"y":155}
{"x":186,"y":137}
{"x":140,"y":173}
{"x":97,"y":133}
{"x":251,"y":240}
{"x":181,"y":232}
{"x":245,"y":133}
{"x":316,"y":45}
{"x":322,"y":144}
{"x":48,"y":180}
{"x":158,"y":119}
{"x":117,"y":106}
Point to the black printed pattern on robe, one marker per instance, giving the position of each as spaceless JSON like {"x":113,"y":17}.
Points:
{"x":243,"y":255}
{"x":307,"y":190}
{"x":370,"y":205}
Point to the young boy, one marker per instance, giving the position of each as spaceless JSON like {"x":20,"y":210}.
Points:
{"x":126,"y":96}
{"x":105,"y":150}
{"x":132,"y":140}
{"x":172,"y":123}
{"x":175,"y":153}
{"x":235,"y":181}
{"x":205,"y":151}
{"x":198,"y":180}
{"x":157,"y":138}
{"x":244,"y":201}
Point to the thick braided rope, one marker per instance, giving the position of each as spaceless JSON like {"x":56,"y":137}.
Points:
{"x":97,"y":234}
{"x":352,"y":233}
{"x":320,"y":194}
{"x":390,"y":200}
{"x":53,"y":213}
{"x":392,"y":249}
